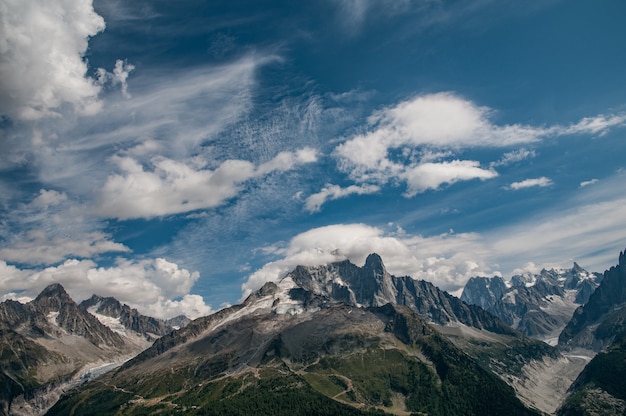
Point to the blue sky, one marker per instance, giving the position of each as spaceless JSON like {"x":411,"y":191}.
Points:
{"x":178,"y":155}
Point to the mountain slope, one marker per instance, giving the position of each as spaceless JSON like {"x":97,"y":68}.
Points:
{"x":355,"y":335}
{"x":600,"y":388}
{"x":384,"y":358}
{"x":596,"y":324}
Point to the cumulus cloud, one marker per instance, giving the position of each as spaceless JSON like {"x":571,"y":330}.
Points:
{"x":440,"y":120}
{"x":400,"y":141}
{"x":331,"y":192}
{"x":155,"y":287}
{"x":119,"y":76}
{"x":42,"y":45}
{"x":447,"y":260}
{"x":541,"y":182}
{"x":432,"y":175}
{"x":48,"y":198}
{"x":172,"y":187}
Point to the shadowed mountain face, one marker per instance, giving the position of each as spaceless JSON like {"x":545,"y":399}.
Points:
{"x":537,"y":305}
{"x":352,"y":339}
{"x":600,"y":388}
{"x":603,"y":318}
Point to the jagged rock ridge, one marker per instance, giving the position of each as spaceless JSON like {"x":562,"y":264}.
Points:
{"x":128,"y":318}
{"x":372,"y":285}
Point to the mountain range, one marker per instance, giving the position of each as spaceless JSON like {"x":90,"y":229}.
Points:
{"x":52,"y":343}
{"x":339,"y":339}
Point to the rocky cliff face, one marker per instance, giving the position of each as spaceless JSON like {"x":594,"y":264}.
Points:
{"x":53,"y":313}
{"x":600,"y":388}
{"x":111,"y":312}
{"x":372,"y":285}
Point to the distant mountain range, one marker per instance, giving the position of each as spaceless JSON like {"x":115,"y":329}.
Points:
{"x":538,"y":305}
{"x":52,"y":343}
{"x":330,"y":340}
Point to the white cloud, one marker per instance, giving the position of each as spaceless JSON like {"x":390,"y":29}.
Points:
{"x":285,"y":161}
{"x":173,"y":187}
{"x":541,"y":182}
{"x":401,"y":140}
{"x":48,"y":198}
{"x":589,"y":182}
{"x":514,"y":157}
{"x":331,"y":192}
{"x":37,"y":247}
{"x":440,"y":120}
{"x":42,"y":45}
{"x":51,"y":228}
{"x":119,"y":76}
{"x":447,"y":260}
{"x":432,"y":175}
{"x":156,"y":287}
{"x":599,"y":125}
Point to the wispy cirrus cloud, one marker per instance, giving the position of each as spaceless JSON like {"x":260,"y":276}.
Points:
{"x":51,"y":228}
{"x":589,"y":182}
{"x":588,"y":228}
{"x":513,"y":157}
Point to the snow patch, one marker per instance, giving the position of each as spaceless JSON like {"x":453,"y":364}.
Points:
{"x":52,"y":318}
{"x":114,"y":324}
{"x":510,"y":297}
